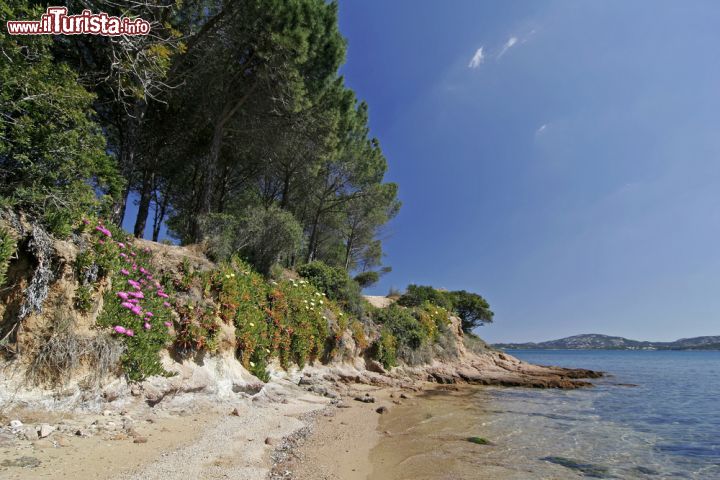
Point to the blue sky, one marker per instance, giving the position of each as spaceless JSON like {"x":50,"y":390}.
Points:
{"x":569,"y":171}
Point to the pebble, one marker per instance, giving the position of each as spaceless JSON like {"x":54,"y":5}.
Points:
{"x":45,"y":430}
{"x":381,"y":410}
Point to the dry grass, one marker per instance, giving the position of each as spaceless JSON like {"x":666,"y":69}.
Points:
{"x":63,"y":354}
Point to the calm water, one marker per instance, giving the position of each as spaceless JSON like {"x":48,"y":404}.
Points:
{"x":668,"y":426}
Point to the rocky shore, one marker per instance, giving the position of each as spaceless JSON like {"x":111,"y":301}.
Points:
{"x":185,"y":426}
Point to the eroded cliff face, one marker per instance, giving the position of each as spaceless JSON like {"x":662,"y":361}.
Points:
{"x":56,"y":354}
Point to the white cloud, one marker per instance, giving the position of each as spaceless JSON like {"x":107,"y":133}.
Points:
{"x":508,"y":45}
{"x":541,"y":129}
{"x":477,"y":59}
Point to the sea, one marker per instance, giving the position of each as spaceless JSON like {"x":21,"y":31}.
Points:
{"x":655,"y":416}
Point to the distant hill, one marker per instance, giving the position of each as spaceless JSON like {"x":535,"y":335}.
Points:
{"x":594,"y":341}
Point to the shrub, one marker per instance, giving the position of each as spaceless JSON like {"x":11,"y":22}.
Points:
{"x":137,"y":307}
{"x":336,"y":284}
{"x":264,"y":236}
{"x":403,"y":325}
{"x":7,"y":249}
{"x":384,"y":350}
{"x":83,"y":298}
{"x":196,"y":329}
{"x":416,"y":295}
{"x":358,"y":332}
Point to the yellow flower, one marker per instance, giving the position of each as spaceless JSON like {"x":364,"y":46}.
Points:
{"x":252,"y":364}
{"x":252,"y":324}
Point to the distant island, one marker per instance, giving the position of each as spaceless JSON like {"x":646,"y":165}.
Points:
{"x":595,"y":341}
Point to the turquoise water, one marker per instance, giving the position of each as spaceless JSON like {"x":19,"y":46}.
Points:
{"x":667,"y":426}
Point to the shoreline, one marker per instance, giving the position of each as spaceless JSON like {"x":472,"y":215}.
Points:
{"x":322,"y":422}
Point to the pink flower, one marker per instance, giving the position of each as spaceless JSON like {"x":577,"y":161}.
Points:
{"x":101,"y":242}
{"x":85,"y":221}
{"x":149,"y":314}
{"x":133,"y":300}
{"x":162,"y":294}
{"x":129,"y":333}
{"x":132,"y":253}
{"x":167,"y":324}
{"x":124,"y":272}
{"x":127,"y":305}
{"x":167,"y":304}
{"x":137,"y":310}
{"x":121,"y":245}
{"x":137,"y":294}
{"x":122,"y":255}
{"x":103,"y":230}
{"x":120,"y":329}
{"x":123,"y":295}
{"x":143,"y":271}
{"x":147,"y":326}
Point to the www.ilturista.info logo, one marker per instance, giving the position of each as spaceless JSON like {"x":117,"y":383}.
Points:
{"x":57,"y":22}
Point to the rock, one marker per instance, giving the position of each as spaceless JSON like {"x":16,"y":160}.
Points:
{"x":45,"y":430}
{"x":269,"y":441}
{"x":342,"y":405}
{"x":397,"y":402}
{"x":106,"y":413}
{"x":15,"y":424}
{"x":235,"y":412}
{"x":381,"y":410}
{"x":375,"y":366}
{"x":140,"y":439}
{"x":365,"y":399}
{"x":80,"y":433}
{"x":403,"y":396}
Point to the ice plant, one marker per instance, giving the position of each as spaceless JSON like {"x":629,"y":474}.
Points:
{"x":119,"y":329}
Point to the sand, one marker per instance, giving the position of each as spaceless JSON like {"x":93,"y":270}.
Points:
{"x":203,"y":441}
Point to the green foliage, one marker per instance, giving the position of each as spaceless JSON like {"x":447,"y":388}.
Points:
{"x":264,"y":236}
{"x":7,"y":249}
{"x":384,"y":349}
{"x":367,"y":279}
{"x":472,"y":309}
{"x":144,"y":331}
{"x":401,"y":322}
{"x":84,"y":298}
{"x":196,"y":329}
{"x":53,"y":163}
{"x":336,"y":284}
{"x":416,"y":295}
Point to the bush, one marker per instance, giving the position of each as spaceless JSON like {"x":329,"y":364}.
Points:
{"x":7,"y":249}
{"x":336,"y":284}
{"x":416,"y":295}
{"x":137,"y":307}
{"x":400,"y":321}
{"x":264,"y":236}
{"x":384,"y":350}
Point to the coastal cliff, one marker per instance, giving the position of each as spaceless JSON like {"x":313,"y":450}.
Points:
{"x":111,"y":330}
